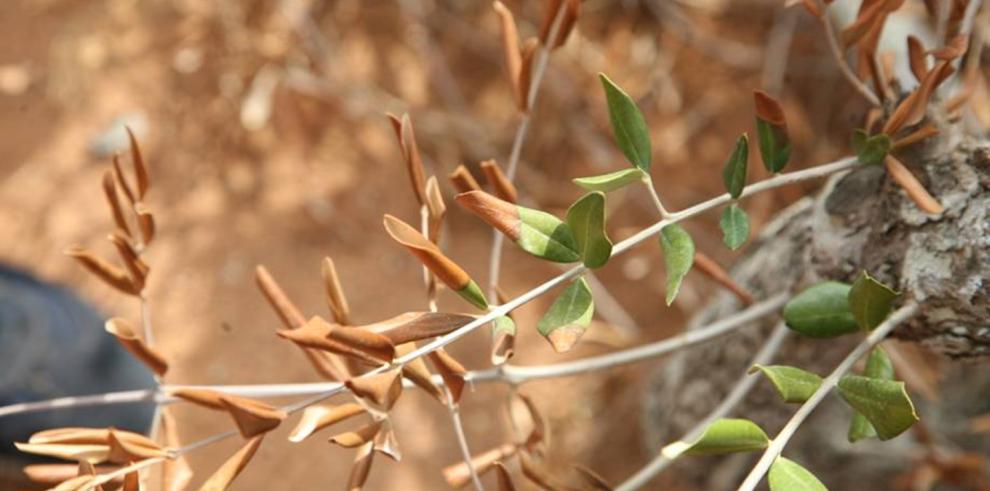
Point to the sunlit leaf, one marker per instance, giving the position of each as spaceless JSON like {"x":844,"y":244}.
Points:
{"x":870,"y":150}
{"x":821,"y":311}
{"x":611,"y":181}
{"x":678,"y":256}
{"x":723,"y":436}
{"x":734,"y":172}
{"x":870,"y":301}
{"x":536,"y":232}
{"x":787,"y":475}
{"x":878,"y":365}
{"x":586,"y":218}
{"x":631,"y":133}
{"x":884,"y":403}
{"x":793,"y":384}
{"x":735,"y":226}
{"x":568,"y":316}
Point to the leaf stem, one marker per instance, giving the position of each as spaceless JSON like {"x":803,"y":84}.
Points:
{"x":733,"y":399}
{"x":840,"y":59}
{"x":780,"y":441}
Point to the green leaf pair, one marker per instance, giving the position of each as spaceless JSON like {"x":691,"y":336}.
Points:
{"x":870,"y":150}
{"x":568,"y":316}
{"x":586,"y":219}
{"x":546,"y":236}
{"x":831,"y":309}
{"x":884,"y":403}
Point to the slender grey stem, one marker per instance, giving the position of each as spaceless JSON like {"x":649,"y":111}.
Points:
{"x":733,"y":399}
{"x":780,"y":441}
{"x":840,"y":57}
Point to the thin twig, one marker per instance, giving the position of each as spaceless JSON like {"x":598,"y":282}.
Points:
{"x":780,"y":441}
{"x":733,"y":399}
{"x":455,"y":418}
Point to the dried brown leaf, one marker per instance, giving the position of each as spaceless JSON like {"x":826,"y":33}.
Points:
{"x":140,"y":170}
{"x":458,"y":475}
{"x":910,"y":184}
{"x":201,"y":397}
{"x":386,"y":443}
{"x":132,"y":482}
{"x":912,"y":109}
{"x":316,"y":418}
{"x":128,"y":338}
{"x":427,"y":252}
{"x":569,"y":10}
{"x":500,"y":182}
{"x":53,"y":474}
{"x":769,"y":109}
{"x":436,"y":208}
{"x":503,"y":347}
{"x":510,"y":45}
{"x":382,"y":389}
{"x":145,"y":221}
{"x":410,"y":152}
{"x":953,"y":49}
{"x":917,"y":58}
{"x":451,"y":371}
{"x":355,"y":342}
{"x":80,"y":483}
{"x":417,"y":372}
{"x":462,"y":180}
{"x":358,"y":437}
{"x":124,"y":450}
{"x":291,"y":316}
{"x":926,"y":131}
{"x":136,"y":268}
{"x":118,"y":174}
{"x":94,"y":454}
{"x":336,"y":299}
{"x":361,"y":467}
{"x":110,"y":274}
{"x":225,"y":475}
{"x":252,"y":417}
{"x":529,"y":49}
{"x":110,"y":191}
{"x":416,"y":326}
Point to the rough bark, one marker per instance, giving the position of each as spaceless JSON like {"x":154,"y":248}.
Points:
{"x":860,"y":221}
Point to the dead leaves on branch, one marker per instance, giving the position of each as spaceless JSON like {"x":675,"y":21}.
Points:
{"x":316,"y":418}
{"x":127,"y":335}
{"x":92,"y":445}
{"x":252,"y":417}
{"x":225,"y":475}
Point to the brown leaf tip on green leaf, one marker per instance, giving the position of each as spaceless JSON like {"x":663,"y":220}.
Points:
{"x":427,"y":252}
{"x":768,"y":109}
{"x":498,"y":213}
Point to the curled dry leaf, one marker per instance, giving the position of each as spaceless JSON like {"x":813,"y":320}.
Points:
{"x":53,"y":474}
{"x":140,"y":170}
{"x":110,"y":191}
{"x":316,"y":418}
{"x":451,"y":371}
{"x":504,"y":479}
{"x":146,"y":222}
{"x":386,"y":443}
{"x":136,"y":268}
{"x":225,"y":475}
{"x":462,"y":180}
{"x":326,"y":365}
{"x":436,"y":209}
{"x":917,"y":58}
{"x":358,"y":437}
{"x":568,"y":10}
{"x":498,"y":213}
{"x":124,"y":449}
{"x":871,"y":16}
{"x":127,"y":336}
{"x":110,"y":274}
{"x":252,"y":417}
{"x":361,"y":467}
{"x":201,"y":397}
{"x":118,"y":174}
{"x":416,"y":326}
{"x":500,"y":182}
{"x":503,"y":339}
{"x":382,"y":389}
{"x":457,"y":475}
{"x":436,"y":261}
{"x":510,"y":45}
{"x":354,"y":342}
{"x":912,"y":109}
{"x":336,"y":299}
{"x":417,"y":372}
{"x":72,"y":435}
{"x":176,"y":472}
{"x":93,"y":453}
{"x":410,"y":152}
{"x":910,"y":184}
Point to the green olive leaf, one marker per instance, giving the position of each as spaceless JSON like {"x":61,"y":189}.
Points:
{"x":568,"y":316}
{"x":821,"y":311}
{"x":878,"y":365}
{"x":734,"y":172}
{"x":586,"y":218}
{"x":678,"y":256}
{"x":628,"y":125}
{"x":793,"y":384}
{"x":787,"y":475}
{"x":884,"y":403}
{"x":607,"y":183}
{"x":870,"y":150}
{"x":546,"y":236}
{"x":735,"y":226}
{"x":775,"y":147}
{"x":722,"y":436}
{"x":870,"y":301}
